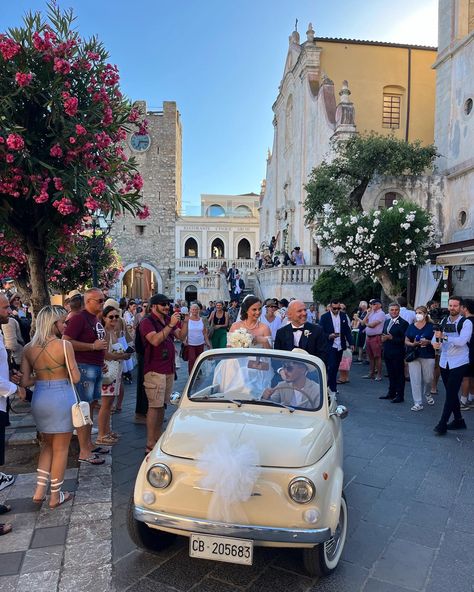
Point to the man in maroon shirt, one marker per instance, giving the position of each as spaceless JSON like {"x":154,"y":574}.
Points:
{"x":157,"y":332}
{"x":87,"y":335}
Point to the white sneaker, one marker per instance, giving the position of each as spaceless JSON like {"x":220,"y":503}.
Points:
{"x":6,"y":480}
{"x":417,"y":407}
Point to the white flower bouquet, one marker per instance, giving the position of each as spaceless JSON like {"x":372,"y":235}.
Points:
{"x":239,"y":338}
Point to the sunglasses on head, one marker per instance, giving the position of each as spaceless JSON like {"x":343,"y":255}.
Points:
{"x":111,"y":317}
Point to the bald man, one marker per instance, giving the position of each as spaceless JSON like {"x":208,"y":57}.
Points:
{"x":299,"y":333}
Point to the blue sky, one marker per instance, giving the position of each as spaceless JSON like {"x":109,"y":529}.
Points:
{"x":222,"y":62}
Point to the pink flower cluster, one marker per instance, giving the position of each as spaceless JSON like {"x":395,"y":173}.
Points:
{"x":98,"y":186}
{"x":65,"y":206}
{"x":144,"y":213}
{"x":56,"y":151}
{"x":23,"y":78}
{"x":61,"y":66}
{"x":8,"y":47}
{"x":70,"y":104}
{"x":15,"y":142}
{"x":43,"y":43}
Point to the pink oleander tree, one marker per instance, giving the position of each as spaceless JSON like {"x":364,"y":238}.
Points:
{"x":63,"y":123}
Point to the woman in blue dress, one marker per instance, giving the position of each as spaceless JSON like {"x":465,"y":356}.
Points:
{"x":44,"y":366}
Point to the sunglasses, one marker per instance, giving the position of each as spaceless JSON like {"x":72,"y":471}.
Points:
{"x":112,"y":317}
{"x":99,"y":300}
{"x":336,"y":308}
{"x":289,"y":367}
{"x":272,"y":306}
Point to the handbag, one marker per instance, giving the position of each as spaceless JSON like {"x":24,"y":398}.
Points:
{"x":412,"y":355}
{"x":112,"y":372}
{"x":80,"y":411}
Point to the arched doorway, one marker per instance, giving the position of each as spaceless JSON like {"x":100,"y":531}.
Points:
{"x":243,"y":249}
{"x":191,"y":247}
{"x":190,"y":294}
{"x":140,"y":281}
{"x":217,"y":249}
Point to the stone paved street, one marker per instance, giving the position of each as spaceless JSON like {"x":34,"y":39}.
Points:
{"x":411,"y":510}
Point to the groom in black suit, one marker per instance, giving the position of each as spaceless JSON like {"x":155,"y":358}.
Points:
{"x":299,"y":333}
{"x":393,"y":339}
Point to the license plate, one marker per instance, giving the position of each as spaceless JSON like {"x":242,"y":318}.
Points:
{"x":221,"y":549}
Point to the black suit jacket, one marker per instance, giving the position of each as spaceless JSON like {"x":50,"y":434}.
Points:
{"x":393,"y":348}
{"x":328,"y":327}
{"x":315,"y":343}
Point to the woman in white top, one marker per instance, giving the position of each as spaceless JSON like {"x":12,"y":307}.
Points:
{"x":197,"y":336}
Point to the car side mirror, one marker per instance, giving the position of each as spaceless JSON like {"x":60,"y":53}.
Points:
{"x":341,"y":412}
{"x":175,"y":398}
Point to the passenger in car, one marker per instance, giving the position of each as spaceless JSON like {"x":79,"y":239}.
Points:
{"x":296,"y":389}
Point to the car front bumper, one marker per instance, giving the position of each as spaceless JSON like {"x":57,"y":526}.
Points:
{"x":268,"y":534}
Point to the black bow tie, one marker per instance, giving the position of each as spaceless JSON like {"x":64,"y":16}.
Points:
{"x":296,"y":329}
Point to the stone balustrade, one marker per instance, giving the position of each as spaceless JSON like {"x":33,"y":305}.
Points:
{"x":191,"y":264}
{"x":289,"y":282}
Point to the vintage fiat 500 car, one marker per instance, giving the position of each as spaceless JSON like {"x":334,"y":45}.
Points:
{"x":252,"y":457}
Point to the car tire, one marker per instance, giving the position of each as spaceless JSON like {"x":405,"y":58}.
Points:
{"x":322,"y":560}
{"x":144,"y":537}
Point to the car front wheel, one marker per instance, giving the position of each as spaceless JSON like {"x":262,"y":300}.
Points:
{"x":322,"y":559}
{"x":143,"y":536}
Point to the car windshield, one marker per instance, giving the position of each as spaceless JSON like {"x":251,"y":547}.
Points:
{"x":264,"y":379}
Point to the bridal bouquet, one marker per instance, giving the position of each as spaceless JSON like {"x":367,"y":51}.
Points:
{"x":239,"y":338}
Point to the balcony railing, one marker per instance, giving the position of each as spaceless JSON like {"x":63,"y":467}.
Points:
{"x":192,"y":264}
{"x":299,"y":274}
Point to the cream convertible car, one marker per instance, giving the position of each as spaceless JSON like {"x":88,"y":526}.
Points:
{"x":252,"y":457}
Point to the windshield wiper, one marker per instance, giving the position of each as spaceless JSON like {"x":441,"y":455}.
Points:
{"x":269,"y":402}
{"x":213,"y":398}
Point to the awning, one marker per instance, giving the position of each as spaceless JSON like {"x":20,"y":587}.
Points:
{"x":460,"y":258}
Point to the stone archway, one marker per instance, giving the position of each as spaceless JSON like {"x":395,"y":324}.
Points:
{"x":139,"y":280}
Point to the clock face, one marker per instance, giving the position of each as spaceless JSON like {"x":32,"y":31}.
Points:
{"x":140,"y":143}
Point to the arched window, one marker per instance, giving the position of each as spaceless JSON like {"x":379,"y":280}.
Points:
{"x":190,"y":294}
{"x":215,"y":211}
{"x":217,"y":249}
{"x":243,"y":211}
{"x":243,"y":249}
{"x":191,"y":248}
{"x":387,"y":200}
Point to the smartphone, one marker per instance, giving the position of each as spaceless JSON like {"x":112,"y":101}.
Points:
{"x":130,"y":350}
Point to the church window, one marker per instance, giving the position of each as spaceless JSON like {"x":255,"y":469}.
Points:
{"x":391,"y":110}
{"x":462,"y":217}
{"x":139,"y":230}
{"x":191,"y":248}
{"x":243,"y":249}
{"x":215,"y":211}
{"x":468,"y":106}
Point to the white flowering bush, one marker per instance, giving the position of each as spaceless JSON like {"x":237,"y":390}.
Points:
{"x":239,"y":338}
{"x":378,"y":244}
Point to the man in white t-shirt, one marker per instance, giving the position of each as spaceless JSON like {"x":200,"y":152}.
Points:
{"x":271,"y":318}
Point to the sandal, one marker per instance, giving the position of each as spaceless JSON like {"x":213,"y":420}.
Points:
{"x":63,"y":496}
{"x":5,"y":528}
{"x":41,"y":481}
{"x":92,"y":460}
{"x":107,"y":440}
{"x":4,"y":508}
{"x":100,"y":450}
{"x":114,"y":434}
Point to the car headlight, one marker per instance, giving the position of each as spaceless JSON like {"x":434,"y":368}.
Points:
{"x":159,"y":476}
{"x":301,"y":490}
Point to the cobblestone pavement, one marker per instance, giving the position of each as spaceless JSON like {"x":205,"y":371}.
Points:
{"x":411,"y":510}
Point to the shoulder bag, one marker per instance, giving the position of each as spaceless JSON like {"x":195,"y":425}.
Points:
{"x":113,"y":369}
{"x":81,"y":413}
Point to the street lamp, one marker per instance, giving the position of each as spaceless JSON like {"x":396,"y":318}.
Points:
{"x":100,"y":225}
{"x":437,"y":273}
{"x":459,"y":272}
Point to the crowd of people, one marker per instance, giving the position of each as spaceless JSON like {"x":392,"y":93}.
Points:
{"x":94,"y":342}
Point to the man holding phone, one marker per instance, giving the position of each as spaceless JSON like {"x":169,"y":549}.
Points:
{"x":158,"y":331}
{"x":336,"y":326}
{"x":374,"y":322}
{"x":452,"y":337}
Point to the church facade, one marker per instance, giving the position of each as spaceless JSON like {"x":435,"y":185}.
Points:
{"x":329,"y":86}
{"x":147,"y":247}
{"x":454,"y":138}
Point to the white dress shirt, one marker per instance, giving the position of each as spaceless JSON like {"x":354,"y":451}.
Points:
{"x":6,"y":387}
{"x":455,"y":349}
{"x":336,"y":323}
{"x":297,"y":335}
